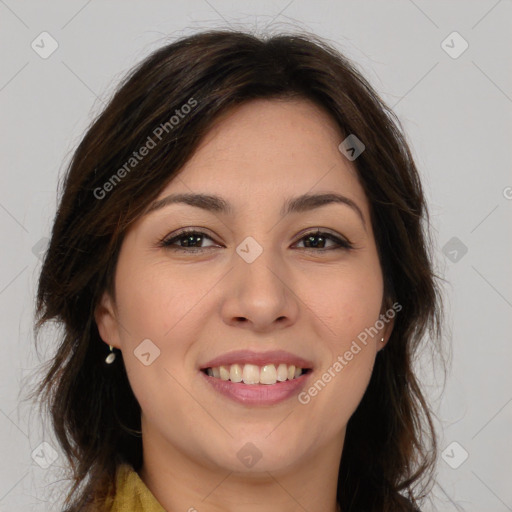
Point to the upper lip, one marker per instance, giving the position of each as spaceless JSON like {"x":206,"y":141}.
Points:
{"x":257,"y":358}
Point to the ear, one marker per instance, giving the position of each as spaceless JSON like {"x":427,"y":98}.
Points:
{"x":106,"y":320}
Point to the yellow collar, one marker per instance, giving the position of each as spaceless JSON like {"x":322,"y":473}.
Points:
{"x":132,"y":493}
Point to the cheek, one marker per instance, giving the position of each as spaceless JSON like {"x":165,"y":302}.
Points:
{"x":349,"y":303}
{"x":156,"y":301}
{"x":159,"y":303}
{"x":347,"y":300}
{"x":155,"y":304}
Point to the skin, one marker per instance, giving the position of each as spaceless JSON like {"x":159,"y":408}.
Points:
{"x":197,"y":306}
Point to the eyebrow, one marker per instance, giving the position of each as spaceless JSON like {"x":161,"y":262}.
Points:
{"x":212,"y":203}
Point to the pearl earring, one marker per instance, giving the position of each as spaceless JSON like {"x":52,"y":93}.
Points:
{"x":111,"y":357}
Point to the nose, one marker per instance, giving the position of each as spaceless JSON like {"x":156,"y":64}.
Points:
{"x":260,"y":295}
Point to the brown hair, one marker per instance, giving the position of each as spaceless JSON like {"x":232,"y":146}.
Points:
{"x":390,"y":445}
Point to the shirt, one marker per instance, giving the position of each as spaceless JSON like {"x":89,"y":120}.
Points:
{"x":131,"y":493}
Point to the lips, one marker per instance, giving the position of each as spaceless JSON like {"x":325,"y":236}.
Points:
{"x":258,"y":358}
{"x":251,"y":378}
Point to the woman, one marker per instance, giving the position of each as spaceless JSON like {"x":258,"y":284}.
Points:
{"x":243,"y":278}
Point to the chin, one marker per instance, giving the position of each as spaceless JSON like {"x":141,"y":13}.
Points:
{"x":258,"y":452}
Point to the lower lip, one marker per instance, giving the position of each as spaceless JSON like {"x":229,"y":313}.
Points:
{"x":258,"y":394}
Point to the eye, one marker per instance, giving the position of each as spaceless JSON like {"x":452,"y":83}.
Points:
{"x":317,"y":238}
{"x":188,"y":240}
{"x":190,"y":237}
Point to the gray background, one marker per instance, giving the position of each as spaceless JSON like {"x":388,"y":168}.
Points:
{"x":456,"y":113}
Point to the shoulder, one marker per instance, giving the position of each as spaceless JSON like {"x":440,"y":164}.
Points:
{"x":131,"y":493}
{"x":126,"y":492}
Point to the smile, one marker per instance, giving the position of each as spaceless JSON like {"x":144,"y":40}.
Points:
{"x":257,"y":378}
{"x":268,"y":374}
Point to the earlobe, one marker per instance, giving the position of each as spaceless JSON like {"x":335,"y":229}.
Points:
{"x":389,"y":321}
{"x":105,"y":317}
{"x":388,"y":329}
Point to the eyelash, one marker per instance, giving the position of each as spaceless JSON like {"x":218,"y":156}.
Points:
{"x":168,"y":243}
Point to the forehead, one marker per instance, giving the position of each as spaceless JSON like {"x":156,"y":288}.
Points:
{"x":264,"y":149}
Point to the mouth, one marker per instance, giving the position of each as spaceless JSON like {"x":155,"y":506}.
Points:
{"x":253,"y":378}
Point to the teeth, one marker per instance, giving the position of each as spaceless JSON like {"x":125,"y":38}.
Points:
{"x":224,"y":373}
{"x":253,"y":374}
{"x":235,"y":373}
{"x":268,"y":374}
{"x":282,"y":372}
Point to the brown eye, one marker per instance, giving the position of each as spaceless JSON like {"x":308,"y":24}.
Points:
{"x":317,"y":240}
{"x":188,"y":241}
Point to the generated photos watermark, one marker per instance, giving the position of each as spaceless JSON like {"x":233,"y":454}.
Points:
{"x":151,"y":142}
{"x":343,"y":360}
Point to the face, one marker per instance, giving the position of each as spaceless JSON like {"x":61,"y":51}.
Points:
{"x":254,"y":291}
